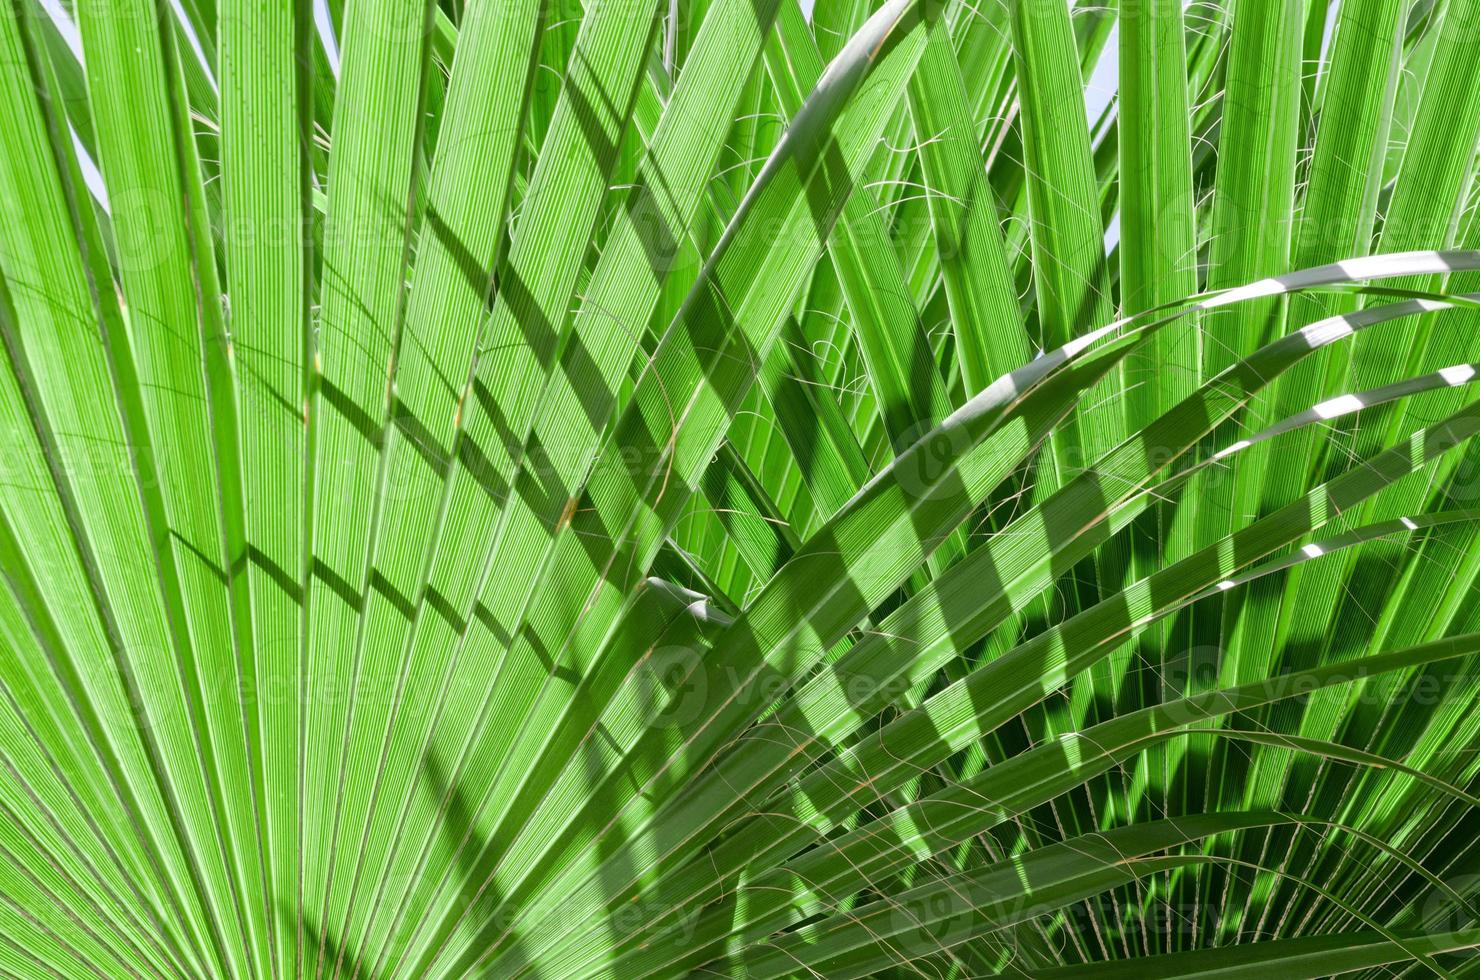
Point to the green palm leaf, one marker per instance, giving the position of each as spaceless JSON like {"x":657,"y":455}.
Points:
{"x":738,"y":487}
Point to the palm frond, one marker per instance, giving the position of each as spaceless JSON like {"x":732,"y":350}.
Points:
{"x":724,"y":487}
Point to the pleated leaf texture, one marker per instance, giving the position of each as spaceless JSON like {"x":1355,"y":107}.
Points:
{"x":658,"y":488}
